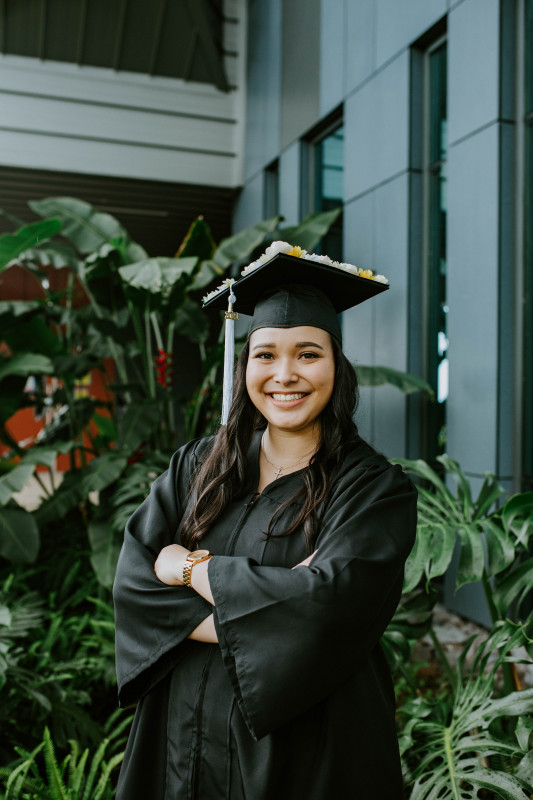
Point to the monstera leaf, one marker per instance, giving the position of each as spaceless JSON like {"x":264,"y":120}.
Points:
{"x":456,"y":752}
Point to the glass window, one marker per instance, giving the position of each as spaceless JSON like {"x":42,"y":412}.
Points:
{"x":328,"y":187}
{"x":436,"y":207}
{"x":528,"y":234}
{"x":271,"y":190}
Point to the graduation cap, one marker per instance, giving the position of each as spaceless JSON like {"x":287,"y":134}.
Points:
{"x":286,"y":287}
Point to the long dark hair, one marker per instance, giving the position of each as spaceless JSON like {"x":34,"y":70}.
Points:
{"x":221,"y":475}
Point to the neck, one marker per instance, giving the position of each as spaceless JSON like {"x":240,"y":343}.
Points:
{"x":288,"y":445}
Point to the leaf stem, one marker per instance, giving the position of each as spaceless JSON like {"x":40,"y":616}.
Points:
{"x":443,"y":658}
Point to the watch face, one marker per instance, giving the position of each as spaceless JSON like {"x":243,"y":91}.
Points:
{"x":197,"y":555}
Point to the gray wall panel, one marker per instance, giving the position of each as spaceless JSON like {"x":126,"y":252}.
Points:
{"x":398,"y":24}
{"x":360,"y":41}
{"x":391,"y":259}
{"x":332,"y":54}
{"x":473,"y":58}
{"x":263,"y":95}
{"x":358,"y":323}
{"x":300,"y":68}
{"x":377,"y":129}
{"x":290,"y":163}
{"x":472,"y":240}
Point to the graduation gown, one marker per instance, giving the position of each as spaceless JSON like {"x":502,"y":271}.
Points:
{"x":296,"y":700}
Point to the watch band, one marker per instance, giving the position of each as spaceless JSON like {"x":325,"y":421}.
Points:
{"x":195,"y":557}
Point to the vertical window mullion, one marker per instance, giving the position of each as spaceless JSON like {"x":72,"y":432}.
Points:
{"x":435,"y":258}
{"x":527,"y":416}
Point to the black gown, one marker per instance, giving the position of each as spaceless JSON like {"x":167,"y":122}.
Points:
{"x":296,"y":700}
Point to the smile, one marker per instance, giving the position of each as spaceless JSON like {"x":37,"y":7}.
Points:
{"x":286,"y":398}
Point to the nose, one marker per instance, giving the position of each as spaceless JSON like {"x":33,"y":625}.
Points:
{"x":285,"y":373}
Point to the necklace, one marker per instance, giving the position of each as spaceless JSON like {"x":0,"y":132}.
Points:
{"x":278,"y":469}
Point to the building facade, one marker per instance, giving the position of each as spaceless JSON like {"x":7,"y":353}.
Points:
{"x":416,"y":117}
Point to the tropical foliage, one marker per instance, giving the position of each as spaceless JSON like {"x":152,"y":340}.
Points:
{"x":104,"y":307}
{"x":470,"y":730}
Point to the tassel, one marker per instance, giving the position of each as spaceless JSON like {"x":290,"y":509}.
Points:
{"x":229,"y":358}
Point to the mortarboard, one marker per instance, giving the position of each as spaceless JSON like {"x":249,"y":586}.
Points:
{"x":287,"y":287}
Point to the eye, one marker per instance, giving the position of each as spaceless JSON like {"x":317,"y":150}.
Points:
{"x":264,"y":356}
{"x":309,"y":355}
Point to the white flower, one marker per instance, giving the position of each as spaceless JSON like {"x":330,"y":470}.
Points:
{"x":348,"y":268}
{"x":320,"y":259}
{"x":251,"y":267}
{"x":224,"y":285}
{"x":381,"y":279}
{"x":277,"y":247}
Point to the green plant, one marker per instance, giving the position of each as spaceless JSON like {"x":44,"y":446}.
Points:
{"x":80,"y":775}
{"x":56,"y":661}
{"x":456,"y":746}
{"x":460,"y":739}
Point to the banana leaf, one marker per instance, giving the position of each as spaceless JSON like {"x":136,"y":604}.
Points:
{"x":86,"y":228}
{"x":310,"y":230}
{"x":404,"y":381}
{"x":19,"y":535}
{"x":13,"y":245}
{"x":242,"y":244}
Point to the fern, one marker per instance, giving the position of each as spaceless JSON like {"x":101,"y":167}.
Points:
{"x":77,"y":777}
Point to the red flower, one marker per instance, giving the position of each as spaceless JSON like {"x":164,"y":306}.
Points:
{"x":163,"y":368}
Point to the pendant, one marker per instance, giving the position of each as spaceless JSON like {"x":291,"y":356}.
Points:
{"x":278,"y":472}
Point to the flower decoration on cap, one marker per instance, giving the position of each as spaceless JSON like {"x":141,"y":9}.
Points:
{"x":298,"y":252}
{"x":224,"y":285}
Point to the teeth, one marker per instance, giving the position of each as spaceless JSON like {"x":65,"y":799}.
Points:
{"x":287,"y":397}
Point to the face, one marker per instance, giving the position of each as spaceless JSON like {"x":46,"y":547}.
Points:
{"x":290,"y":375}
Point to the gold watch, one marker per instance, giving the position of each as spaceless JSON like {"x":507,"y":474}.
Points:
{"x":194,"y":557}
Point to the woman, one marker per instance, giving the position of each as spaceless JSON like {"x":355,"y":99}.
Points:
{"x":257,"y":578}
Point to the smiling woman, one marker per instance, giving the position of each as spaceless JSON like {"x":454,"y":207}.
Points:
{"x":257,"y":578}
{"x":289,"y":378}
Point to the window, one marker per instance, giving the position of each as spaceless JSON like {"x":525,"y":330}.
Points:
{"x":271,"y":191}
{"x":428,"y":347}
{"x":435,"y":188}
{"x":327,"y":185}
{"x":527,"y":415}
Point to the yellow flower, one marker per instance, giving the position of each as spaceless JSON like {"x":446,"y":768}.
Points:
{"x":366,"y":273}
{"x":296,"y":251}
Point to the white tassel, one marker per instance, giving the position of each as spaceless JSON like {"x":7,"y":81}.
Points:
{"x":229,"y":358}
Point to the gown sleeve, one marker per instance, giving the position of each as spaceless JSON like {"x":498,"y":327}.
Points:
{"x":291,"y":637}
{"x":153,"y":620}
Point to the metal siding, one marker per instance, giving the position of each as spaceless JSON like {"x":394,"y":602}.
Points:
{"x":360,"y":41}
{"x":472,"y":241}
{"x":474,"y":64}
{"x":83,"y":119}
{"x":263,"y":85}
{"x":377,"y":129}
{"x":300,"y":68}
{"x":332,"y":54}
{"x":290,"y":163}
{"x":398,"y":24}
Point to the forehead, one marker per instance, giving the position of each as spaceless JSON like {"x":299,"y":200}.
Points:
{"x":291,"y":337}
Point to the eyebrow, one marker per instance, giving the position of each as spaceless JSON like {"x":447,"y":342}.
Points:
{"x":272,"y":345}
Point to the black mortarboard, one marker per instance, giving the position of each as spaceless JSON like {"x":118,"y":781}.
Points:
{"x":286,"y":291}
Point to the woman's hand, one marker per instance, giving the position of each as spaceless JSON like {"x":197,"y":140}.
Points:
{"x":306,"y":561}
{"x":170,"y":563}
